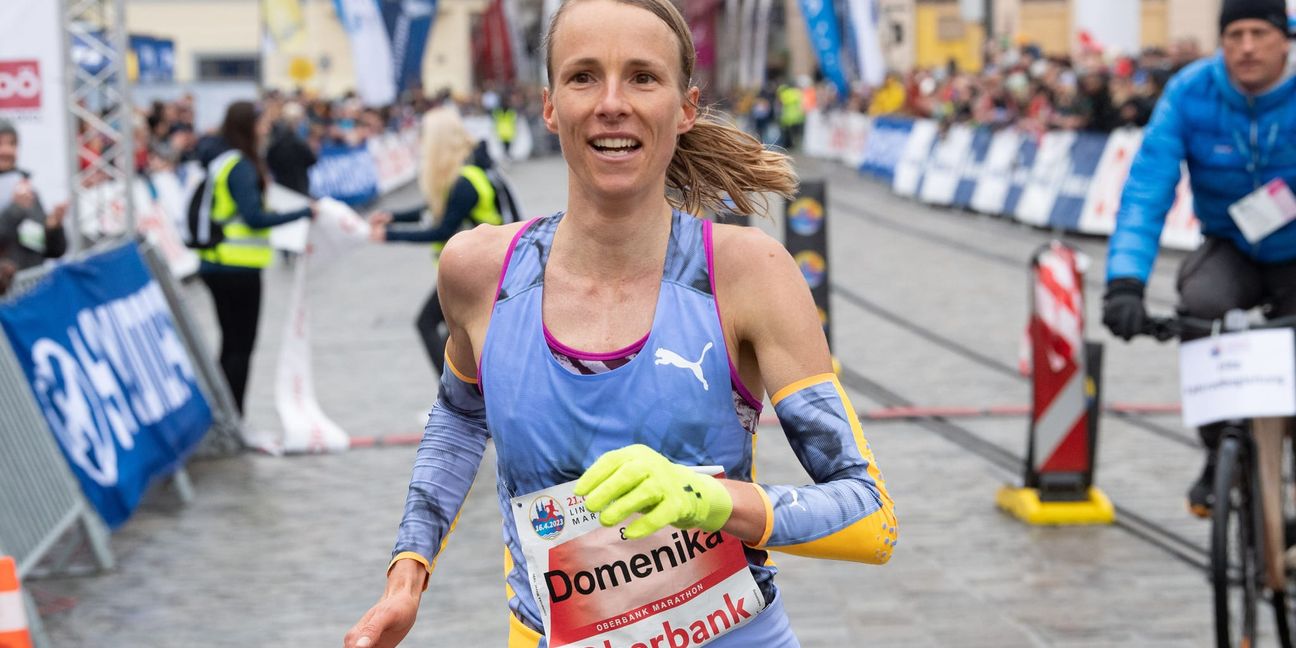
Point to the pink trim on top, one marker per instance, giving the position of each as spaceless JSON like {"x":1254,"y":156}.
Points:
{"x":708,"y":245}
{"x":593,"y":357}
{"x":508,"y":256}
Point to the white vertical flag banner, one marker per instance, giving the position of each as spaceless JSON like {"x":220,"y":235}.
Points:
{"x":864,"y":18}
{"x":370,"y":50}
{"x":336,"y":230}
{"x":31,"y":93}
{"x":1113,"y":25}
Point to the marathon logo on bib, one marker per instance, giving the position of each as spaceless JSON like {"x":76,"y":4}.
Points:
{"x":20,"y":85}
{"x":547,"y":517}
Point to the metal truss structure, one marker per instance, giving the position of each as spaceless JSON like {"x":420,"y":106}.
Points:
{"x":101,"y":116}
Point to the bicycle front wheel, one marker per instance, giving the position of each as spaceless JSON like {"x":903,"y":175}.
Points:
{"x":1235,"y":571}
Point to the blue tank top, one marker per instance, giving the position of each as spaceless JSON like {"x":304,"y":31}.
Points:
{"x":549,"y":423}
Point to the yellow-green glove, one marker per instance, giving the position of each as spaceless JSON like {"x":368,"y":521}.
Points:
{"x":638,"y":479}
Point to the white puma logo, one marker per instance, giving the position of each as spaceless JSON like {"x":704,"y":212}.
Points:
{"x":796,"y":501}
{"x":668,"y":357}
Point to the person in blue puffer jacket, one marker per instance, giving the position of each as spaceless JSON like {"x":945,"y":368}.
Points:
{"x":1232,"y":119}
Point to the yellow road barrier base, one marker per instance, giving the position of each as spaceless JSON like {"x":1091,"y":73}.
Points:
{"x":1025,"y":505}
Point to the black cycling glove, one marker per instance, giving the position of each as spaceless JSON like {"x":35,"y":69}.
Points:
{"x":1123,"y":310}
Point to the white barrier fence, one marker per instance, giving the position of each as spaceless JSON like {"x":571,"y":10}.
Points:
{"x":1063,"y":180}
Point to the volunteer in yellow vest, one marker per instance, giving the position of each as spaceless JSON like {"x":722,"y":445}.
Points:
{"x":459,"y":195}
{"x":232,"y":269}
{"x":791,"y":114}
{"x":505,"y":118}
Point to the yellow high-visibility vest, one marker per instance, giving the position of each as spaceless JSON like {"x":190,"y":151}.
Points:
{"x":243,"y":246}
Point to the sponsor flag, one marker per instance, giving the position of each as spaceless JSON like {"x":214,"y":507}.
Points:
{"x":408,"y":23}
{"x":825,"y":37}
{"x":371,"y":50}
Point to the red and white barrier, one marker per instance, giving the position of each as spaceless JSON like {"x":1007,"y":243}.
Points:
{"x":1060,"y":407}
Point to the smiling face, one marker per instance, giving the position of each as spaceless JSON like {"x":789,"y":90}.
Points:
{"x":617,"y":99}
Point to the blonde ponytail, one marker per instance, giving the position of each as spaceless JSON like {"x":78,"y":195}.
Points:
{"x":720,"y":168}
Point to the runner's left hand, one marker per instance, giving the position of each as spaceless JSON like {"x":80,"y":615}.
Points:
{"x":638,"y":479}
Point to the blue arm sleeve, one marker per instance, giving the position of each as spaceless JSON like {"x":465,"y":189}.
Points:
{"x":460,"y":203}
{"x":847,"y":514}
{"x":243,"y":188}
{"x":1149,"y":192}
{"x":448,"y":457}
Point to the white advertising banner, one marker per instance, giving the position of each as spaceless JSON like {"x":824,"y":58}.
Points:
{"x":991,"y":193}
{"x":336,"y":229}
{"x":1238,"y":375}
{"x":946,"y":166}
{"x":1098,"y":216}
{"x":31,"y":93}
{"x":909,"y":170}
{"x":676,"y":587}
{"x":1052,"y":163}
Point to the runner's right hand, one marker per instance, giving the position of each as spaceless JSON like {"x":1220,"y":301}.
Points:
{"x":385,"y":624}
{"x":390,"y":619}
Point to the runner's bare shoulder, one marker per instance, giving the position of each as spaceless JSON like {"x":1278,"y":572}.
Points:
{"x":469,"y":267}
{"x":746,"y":259}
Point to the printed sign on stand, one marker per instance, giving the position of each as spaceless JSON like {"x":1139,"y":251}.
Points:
{"x":805,"y":233}
{"x":1238,"y":375}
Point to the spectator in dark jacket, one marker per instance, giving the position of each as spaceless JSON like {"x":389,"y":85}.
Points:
{"x":289,"y":157}
{"x":28,"y":235}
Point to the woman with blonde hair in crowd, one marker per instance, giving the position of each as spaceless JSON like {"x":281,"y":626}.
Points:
{"x":462,"y":188}
{"x":586,"y":343}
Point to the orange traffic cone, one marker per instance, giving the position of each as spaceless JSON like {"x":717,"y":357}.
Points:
{"x":13,"y":616}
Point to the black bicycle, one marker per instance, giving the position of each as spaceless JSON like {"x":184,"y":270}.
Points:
{"x":1250,"y":513}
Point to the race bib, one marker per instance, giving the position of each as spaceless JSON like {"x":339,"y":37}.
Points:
{"x":1265,"y":210}
{"x":677,"y":587}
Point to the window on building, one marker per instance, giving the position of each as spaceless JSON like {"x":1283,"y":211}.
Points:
{"x":229,"y":68}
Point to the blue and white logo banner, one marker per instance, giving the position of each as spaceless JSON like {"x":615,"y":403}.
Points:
{"x":100,"y":349}
{"x":1086,"y":152}
{"x":885,"y":145}
{"x":974,"y":168}
{"x":346,"y":173}
{"x":995,"y":182}
{"x":821,"y":20}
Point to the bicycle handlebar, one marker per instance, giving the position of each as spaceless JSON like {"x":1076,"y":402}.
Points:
{"x":1168,"y":328}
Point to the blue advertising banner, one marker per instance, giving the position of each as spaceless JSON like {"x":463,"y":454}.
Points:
{"x":821,"y":21}
{"x":1086,"y":152}
{"x":408,"y":24}
{"x":885,"y":146}
{"x":107,"y":367}
{"x":972,"y":169}
{"x":346,"y":173}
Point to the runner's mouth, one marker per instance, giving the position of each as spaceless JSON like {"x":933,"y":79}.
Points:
{"x":615,"y":145}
